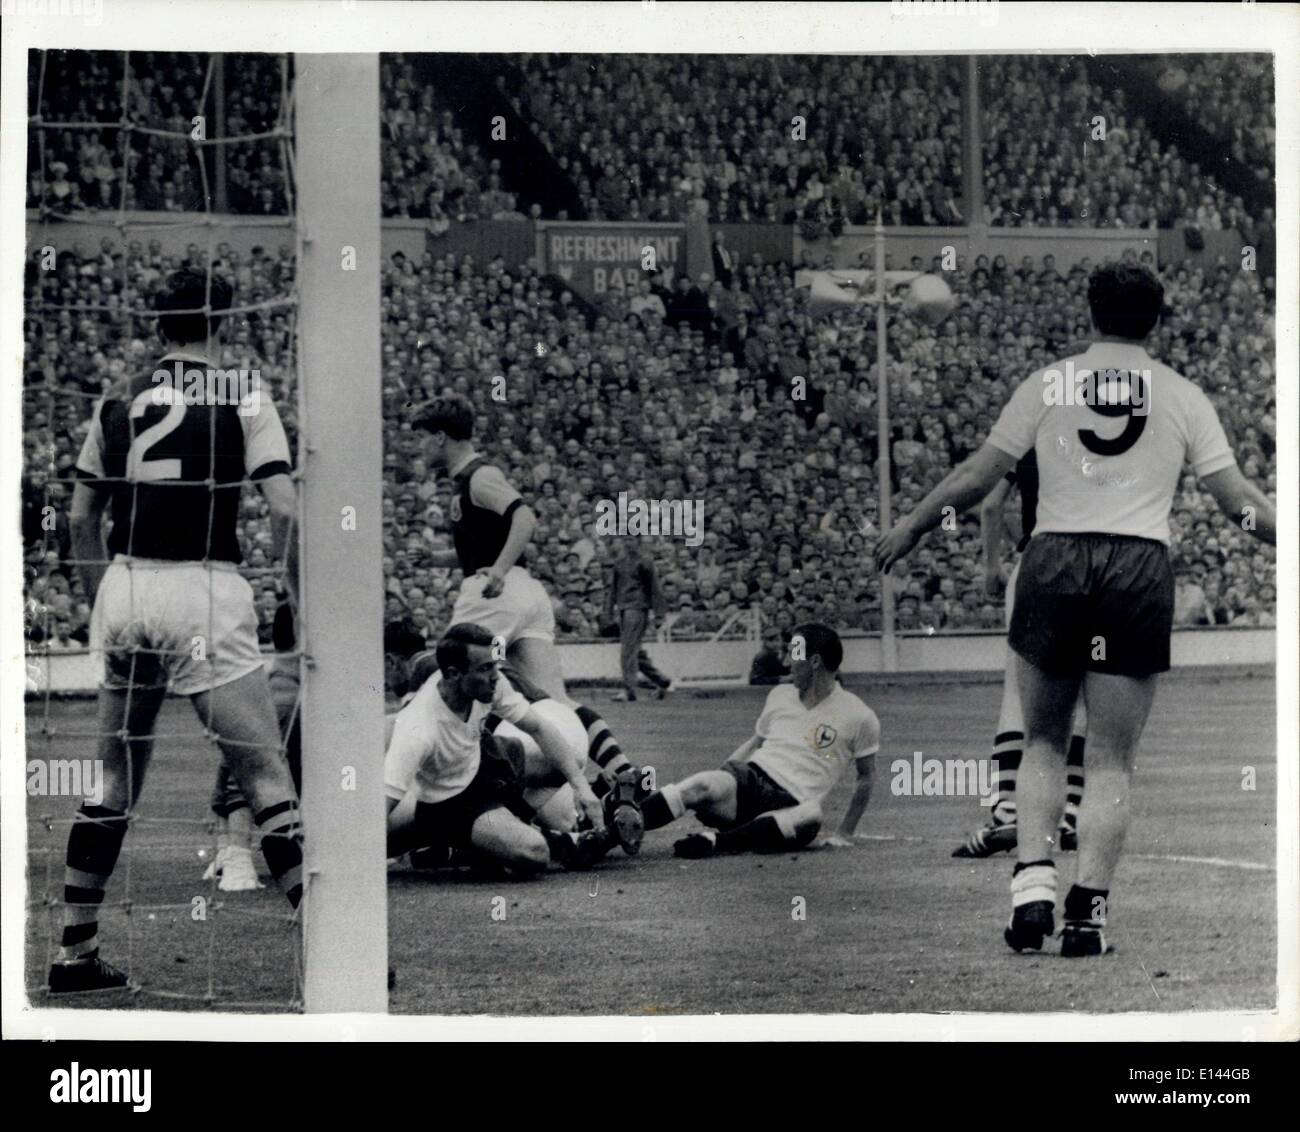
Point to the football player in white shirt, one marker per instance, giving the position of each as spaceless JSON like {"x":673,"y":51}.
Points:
{"x":449,"y":782}
{"x":768,"y":795}
{"x":1112,"y":429}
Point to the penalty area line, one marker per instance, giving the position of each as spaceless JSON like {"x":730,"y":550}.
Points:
{"x":1176,"y":858}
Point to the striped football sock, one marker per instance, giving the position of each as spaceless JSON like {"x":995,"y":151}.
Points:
{"x":1008,"y":746}
{"x":1074,"y":783}
{"x":282,"y":846}
{"x":602,"y":747}
{"x":94,"y":843}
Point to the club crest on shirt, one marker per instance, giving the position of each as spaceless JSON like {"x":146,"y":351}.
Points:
{"x":821,"y":736}
{"x":455,"y":509}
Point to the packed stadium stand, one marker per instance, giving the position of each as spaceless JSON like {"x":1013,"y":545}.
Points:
{"x":667,"y":393}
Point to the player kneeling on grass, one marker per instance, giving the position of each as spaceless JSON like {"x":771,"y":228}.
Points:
{"x":768,"y":795}
{"x":617,"y":783}
{"x":452,"y":784}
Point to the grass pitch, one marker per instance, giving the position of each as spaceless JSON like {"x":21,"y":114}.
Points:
{"x":891,"y":925}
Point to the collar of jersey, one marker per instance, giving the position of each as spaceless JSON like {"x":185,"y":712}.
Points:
{"x":1115,"y":352}
{"x":461,"y":465}
{"x":186,"y":356}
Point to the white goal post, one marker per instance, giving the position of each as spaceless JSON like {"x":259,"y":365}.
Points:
{"x":340,"y":454}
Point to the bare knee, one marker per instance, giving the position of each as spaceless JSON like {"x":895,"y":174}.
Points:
{"x":530,"y":855}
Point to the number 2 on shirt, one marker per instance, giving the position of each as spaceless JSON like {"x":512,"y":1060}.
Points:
{"x":139,"y":468}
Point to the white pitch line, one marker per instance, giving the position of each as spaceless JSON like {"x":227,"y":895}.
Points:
{"x":1217,"y":862}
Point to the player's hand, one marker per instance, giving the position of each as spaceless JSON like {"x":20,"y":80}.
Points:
{"x":493,"y":584}
{"x":995,"y":581}
{"x":591,"y":807}
{"x":895,"y":545}
{"x":835,"y":841}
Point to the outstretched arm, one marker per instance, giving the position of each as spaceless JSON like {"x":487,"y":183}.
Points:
{"x":861,"y":795}
{"x":1243,"y":503}
{"x":964,"y":486}
{"x":993,"y":526}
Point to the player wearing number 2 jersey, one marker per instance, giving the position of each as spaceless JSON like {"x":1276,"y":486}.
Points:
{"x":165,"y":461}
{"x":1112,"y":429}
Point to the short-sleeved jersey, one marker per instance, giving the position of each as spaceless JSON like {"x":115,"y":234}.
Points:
{"x":482,"y":503}
{"x":156,"y":454}
{"x":1025,"y":476}
{"x":806,"y":750}
{"x":436,"y":752}
{"x":1109,"y":461}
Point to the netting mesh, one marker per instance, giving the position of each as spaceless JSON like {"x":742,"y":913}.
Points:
{"x":249,"y":950}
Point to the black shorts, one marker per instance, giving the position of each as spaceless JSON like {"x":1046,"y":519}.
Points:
{"x":756,"y":793}
{"x":499,"y":782}
{"x":1094,"y":603}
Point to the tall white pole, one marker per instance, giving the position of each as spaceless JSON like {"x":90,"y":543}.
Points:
{"x":888,"y":642}
{"x":341,"y":454}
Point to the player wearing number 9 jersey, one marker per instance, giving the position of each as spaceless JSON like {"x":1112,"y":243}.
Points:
{"x":165,"y":459}
{"x":1112,"y":429}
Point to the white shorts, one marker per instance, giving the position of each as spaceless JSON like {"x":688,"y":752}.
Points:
{"x":563,"y":718}
{"x":190,"y":624}
{"x":522,"y":610}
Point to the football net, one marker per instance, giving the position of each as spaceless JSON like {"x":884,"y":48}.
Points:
{"x":93,"y":267}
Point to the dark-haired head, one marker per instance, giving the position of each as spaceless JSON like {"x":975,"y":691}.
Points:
{"x":450,"y":414}
{"x":453,"y":650}
{"x":813,"y":647}
{"x":467,"y":658}
{"x":191,"y":289}
{"x":1126,"y":300}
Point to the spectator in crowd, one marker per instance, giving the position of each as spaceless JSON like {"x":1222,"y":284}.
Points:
{"x":634,"y":595}
{"x":768,"y":666}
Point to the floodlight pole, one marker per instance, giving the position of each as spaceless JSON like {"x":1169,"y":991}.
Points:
{"x":888,"y":642}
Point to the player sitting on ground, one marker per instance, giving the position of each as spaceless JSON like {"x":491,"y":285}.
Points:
{"x":491,"y":525}
{"x":999,"y":836}
{"x":149,"y":459}
{"x":768,"y":795}
{"x":451,"y":783}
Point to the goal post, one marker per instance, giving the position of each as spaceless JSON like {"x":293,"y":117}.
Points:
{"x":345,"y":909}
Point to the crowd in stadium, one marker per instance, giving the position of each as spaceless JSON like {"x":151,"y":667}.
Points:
{"x":1063,"y":151}
{"x":659,"y":138}
{"x":162,"y":97}
{"x":574,"y":406}
{"x":684,"y":388}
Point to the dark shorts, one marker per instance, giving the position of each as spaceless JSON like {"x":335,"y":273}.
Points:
{"x":499,"y":782}
{"x":1094,"y":603}
{"x":756,"y":794}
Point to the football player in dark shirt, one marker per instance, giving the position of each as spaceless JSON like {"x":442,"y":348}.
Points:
{"x":165,"y":460}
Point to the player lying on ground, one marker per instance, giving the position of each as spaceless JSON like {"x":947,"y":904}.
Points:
{"x":999,"y":835}
{"x":233,"y":867}
{"x":148,"y":460}
{"x":1112,"y":428}
{"x":491,"y":525}
{"x":451,"y":783}
{"x":768,"y":795}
